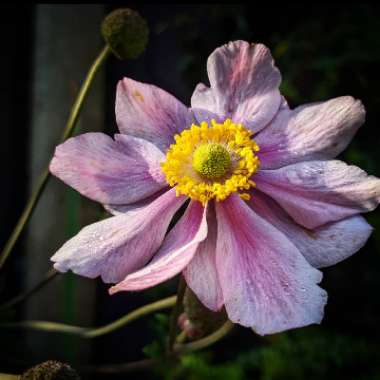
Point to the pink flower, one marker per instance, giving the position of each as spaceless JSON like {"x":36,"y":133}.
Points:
{"x":265,"y":210}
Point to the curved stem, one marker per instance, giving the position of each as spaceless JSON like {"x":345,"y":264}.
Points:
{"x":77,"y":106}
{"x":8,"y":376}
{"x":50,"y":275}
{"x":205,"y":342}
{"x":175,"y":313}
{"x":146,"y":364}
{"x":144,"y":310}
{"x":45,"y":175}
{"x":28,"y":210}
{"x":138,"y":365}
{"x":85,"y":332}
{"x":46,"y":326}
{"x":181,"y":337}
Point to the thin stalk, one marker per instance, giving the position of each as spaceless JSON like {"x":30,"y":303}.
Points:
{"x":173,"y":328}
{"x":136,"y":314}
{"x":138,"y":365}
{"x":181,"y":337}
{"x":204,"y":342}
{"x":50,"y":275}
{"x":147,"y":364}
{"x":45,"y":175}
{"x":83,"y":92}
{"x":46,"y":326}
{"x":85,"y":332}
{"x":8,"y":376}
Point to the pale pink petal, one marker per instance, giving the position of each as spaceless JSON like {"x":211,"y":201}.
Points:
{"x":318,"y":192}
{"x":267,"y":283}
{"x":175,"y":253}
{"x":205,"y":115}
{"x":201,"y":275}
{"x":323,"y":246}
{"x":109,"y":171}
{"x":244,"y":85}
{"x":146,"y":111}
{"x":122,"y":209}
{"x":310,"y":132}
{"x":119,"y":245}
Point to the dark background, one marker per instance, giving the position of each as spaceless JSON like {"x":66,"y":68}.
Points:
{"x":323,"y":52}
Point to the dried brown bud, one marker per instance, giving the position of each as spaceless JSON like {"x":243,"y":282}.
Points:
{"x":125,"y":32}
{"x":50,"y":370}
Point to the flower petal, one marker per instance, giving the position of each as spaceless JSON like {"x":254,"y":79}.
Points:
{"x":323,"y":246}
{"x":107,"y":171}
{"x":244,"y":85}
{"x":311,"y":132}
{"x":200,"y":274}
{"x":146,"y":111}
{"x":318,"y":192}
{"x":119,"y":245}
{"x":175,"y":253}
{"x":267,"y":284}
{"x":122,"y":209}
{"x":205,"y":115}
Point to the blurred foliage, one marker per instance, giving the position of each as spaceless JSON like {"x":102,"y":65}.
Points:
{"x":160,"y":326}
{"x":309,"y":353}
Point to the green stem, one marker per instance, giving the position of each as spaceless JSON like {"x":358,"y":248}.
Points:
{"x":144,"y":310}
{"x":8,"y":376}
{"x":181,"y":337}
{"x":144,"y":364}
{"x":138,"y":365}
{"x":77,"y":107}
{"x":50,"y":275}
{"x":179,"y":349}
{"x":205,"y":342}
{"x":173,"y":328}
{"x":45,"y":175}
{"x":85,"y":332}
{"x":46,"y":326}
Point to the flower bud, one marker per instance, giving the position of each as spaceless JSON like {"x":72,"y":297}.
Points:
{"x":125,"y":32}
{"x":50,"y":370}
{"x":191,"y":330}
{"x":197,"y":320}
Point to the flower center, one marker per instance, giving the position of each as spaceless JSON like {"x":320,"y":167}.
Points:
{"x":212,"y":161}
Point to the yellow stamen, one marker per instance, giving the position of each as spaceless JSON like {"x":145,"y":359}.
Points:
{"x":214,"y":161}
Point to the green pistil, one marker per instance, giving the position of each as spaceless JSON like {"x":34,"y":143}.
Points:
{"x":212,"y":160}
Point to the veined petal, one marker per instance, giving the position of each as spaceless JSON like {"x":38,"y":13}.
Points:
{"x":315,"y":131}
{"x":267,"y":283}
{"x":107,"y":171}
{"x":146,"y":111}
{"x":244,"y":85}
{"x":177,"y":250}
{"x":318,"y":192}
{"x":201,"y":115}
{"x":323,"y":246}
{"x":122,"y":209}
{"x":119,"y":245}
{"x":201,"y":274}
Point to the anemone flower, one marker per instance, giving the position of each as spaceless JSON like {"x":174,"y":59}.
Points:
{"x":266,"y":203}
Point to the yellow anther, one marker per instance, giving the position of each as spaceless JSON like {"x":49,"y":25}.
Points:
{"x":245,"y":196}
